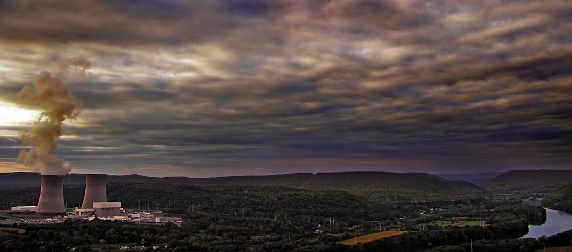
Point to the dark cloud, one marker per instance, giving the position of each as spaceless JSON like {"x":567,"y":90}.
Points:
{"x":256,"y":86}
{"x":126,"y":22}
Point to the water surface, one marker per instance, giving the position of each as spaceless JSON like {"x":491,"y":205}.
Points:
{"x":556,"y":222}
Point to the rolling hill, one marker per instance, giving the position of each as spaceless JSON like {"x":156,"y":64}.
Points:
{"x":382,"y":183}
{"x":560,"y":199}
{"x":479,"y":179}
{"x":519,"y":180}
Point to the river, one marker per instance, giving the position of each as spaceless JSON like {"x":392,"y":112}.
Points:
{"x":556,"y":222}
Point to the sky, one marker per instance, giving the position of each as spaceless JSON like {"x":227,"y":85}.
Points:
{"x":254,"y":87}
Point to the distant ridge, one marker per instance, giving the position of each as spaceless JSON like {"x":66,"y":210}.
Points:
{"x":518,"y":180}
{"x":347,"y":181}
{"x":19,"y":179}
{"x":480,"y":179}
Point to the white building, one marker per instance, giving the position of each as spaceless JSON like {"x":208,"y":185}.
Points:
{"x":24,"y":209}
{"x":107,"y":209}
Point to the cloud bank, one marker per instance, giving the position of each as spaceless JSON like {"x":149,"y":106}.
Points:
{"x":210,"y":88}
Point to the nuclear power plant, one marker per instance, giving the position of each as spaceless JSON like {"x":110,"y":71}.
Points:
{"x":95,"y":190}
{"x":51,"y":195}
{"x":95,"y":205}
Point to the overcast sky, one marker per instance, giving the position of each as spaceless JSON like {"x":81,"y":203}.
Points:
{"x":248,"y":87}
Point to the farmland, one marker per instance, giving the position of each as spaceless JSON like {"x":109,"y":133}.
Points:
{"x":6,"y":231}
{"x":371,"y":237}
{"x":453,"y":223}
{"x":556,"y":249}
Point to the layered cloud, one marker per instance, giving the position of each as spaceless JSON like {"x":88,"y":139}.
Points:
{"x":209,"y":88}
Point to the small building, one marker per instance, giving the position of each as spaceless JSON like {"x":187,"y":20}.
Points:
{"x":24,"y":209}
{"x":84,"y":212}
{"x":134,"y":216}
{"x":115,"y":218}
{"x":106,"y":209}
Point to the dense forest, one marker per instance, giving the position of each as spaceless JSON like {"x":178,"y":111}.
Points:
{"x":528,"y":244}
{"x":526,"y":180}
{"x":560,"y":199}
{"x":222,"y":234}
{"x":251,"y":202}
{"x":266,"y":218}
{"x":375,"y":184}
{"x":296,"y":212}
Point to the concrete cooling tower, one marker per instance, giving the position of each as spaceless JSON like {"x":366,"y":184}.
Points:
{"x":95,"y":190}
{"x":51,"y":195}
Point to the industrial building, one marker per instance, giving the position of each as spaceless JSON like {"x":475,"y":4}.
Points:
{"x":84,"y":212}
{"x":24,"y":209}
{"x":106,"y":209}
{"x":94,"y":205}
{"x":51,"y":195}
{"x":95,"y":190}
{"x":94,"y":200}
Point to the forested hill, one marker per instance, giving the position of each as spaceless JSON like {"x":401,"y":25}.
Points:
{"x":356,"y":182}
{"x":518,"y":180}
{"x":560,"y":199}
{"x":480,"y":179}
{"x":407,"y":183}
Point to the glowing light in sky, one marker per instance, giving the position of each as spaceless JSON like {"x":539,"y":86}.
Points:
{"x":12,"y":115}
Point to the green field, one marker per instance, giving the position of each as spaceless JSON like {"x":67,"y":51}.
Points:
{"x":556,"y":249}
{"x":444,"y":223}
{"x":467,"y":223}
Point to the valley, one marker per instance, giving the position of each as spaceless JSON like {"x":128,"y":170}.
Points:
{"x":298,"y":212}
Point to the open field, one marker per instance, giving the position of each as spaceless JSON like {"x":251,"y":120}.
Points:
{"x":371,"y":237}
{"x":453,"y":223}
{"x":556,"y":249}
{"x":5,"y":230}
{"x":467,"y":223}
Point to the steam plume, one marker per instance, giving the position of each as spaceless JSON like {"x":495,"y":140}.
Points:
{"x":51,"y":95}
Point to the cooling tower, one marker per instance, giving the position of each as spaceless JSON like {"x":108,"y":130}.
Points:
{"x":51,"y":195}
{"x":95,"y":190}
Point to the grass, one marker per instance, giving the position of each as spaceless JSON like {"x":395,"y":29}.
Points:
{"x":556,"y":249}
{"x":453,"y":223}
{"x":371,"y":237}
{"x":467,"y":223}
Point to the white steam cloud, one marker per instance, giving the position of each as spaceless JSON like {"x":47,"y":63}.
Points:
{"x":51,"y":95}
